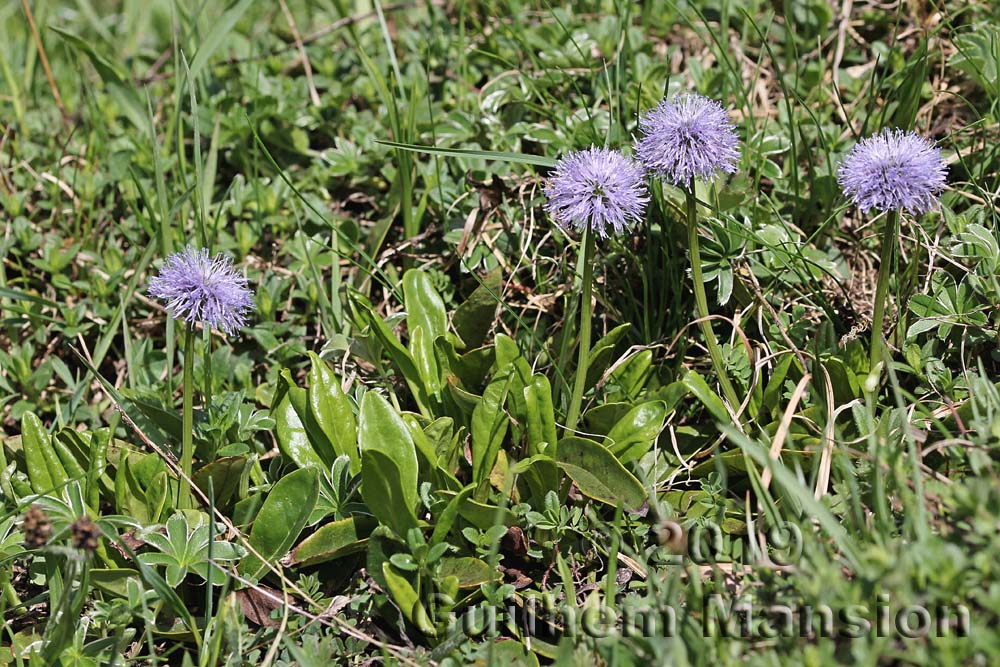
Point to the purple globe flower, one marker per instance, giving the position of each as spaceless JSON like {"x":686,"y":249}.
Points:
{"x":893,"y":170}
{"x":199,"y":288}
{"x":597,"y":188}
{"x":687,"y":137}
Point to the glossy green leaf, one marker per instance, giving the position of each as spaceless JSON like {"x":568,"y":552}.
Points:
{"x":424,"y":312}
{"x":542,"y":475}
{"x":293,"y":443}
{"x":45,"y":472}
{"x":671,"y":395}
{"x":382,"y":429}
{"x":598,"y":474}
{"x":407,"y":600}
{"x":510,"y":360}
{"x":167,"y":422}
{"x":426,"y":362}
{"x":845,"y":383}
{"x":382,"y":488}
{"x":332,"y":541}
{"x":446,"y":519}
{"x":602,"y":353}
{"x":7,"y":473}
{"x":540,"y":472}
{"x":482,"y":515}
{"x":299,"y":398}
{"x":69,"y":462}
{"x":474,"y":317}
{"x":601,"y":419}
{"x":708,"y":398}
{"x":635,"y":433}
{"x":470,"y":572}
{"x":735,"y":463}
{"x":147,"y":466}
{"x":130,"y":496}
{"x":613,"y":337}
{"x":332,"y":411}
{"x":597,"y":363}
{"x":629,"y":379}
{"x":401,"y":359}
{"x":463,"y":400}
{"x":489,"y":426}
{"x":158,"y":498}
{"x":450,"y":451}
{"x":90,"y":449}
{"x":281,"y":519}
{"x":512,"y":653}
{"x":225,"y":474}
{"x":245,"y":511}
{"x":473,"y":366}
{"x":112,"y":581}
{"x":776,"y":383}
{"x":426,"y":454}
{"x":541,"y":423}
{"x":446,"y":357}
{"x":441,"y":434}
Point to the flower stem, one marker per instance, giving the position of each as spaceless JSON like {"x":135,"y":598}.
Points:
{"x":701,"y":301}
{"x":878,"y":347}
{"x":187,"y":426}
{"x":586,"y":312}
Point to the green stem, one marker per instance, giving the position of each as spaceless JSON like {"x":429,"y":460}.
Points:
{"x":586,"y":312}
{"x":701,"y":301}
{"x":206,"y":385}
{"x":187,"y":426}
{"x":10,"y":598}
{"x":889,"y":234}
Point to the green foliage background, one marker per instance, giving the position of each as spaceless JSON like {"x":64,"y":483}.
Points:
{"x":360,"y":468}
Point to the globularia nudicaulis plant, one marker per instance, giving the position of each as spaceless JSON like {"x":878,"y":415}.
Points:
{"x":596,"y":192}
{"x":543,"y":345}
{"x":891,"y":172}
{"x":199,"y":290}
{"x":685,"y":139}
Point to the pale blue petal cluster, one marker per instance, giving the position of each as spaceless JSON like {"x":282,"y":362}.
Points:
{"x":893,"y":170}
{"x":597,"y":189}
{"x":199,"y":288}
{"x":687,"y":137}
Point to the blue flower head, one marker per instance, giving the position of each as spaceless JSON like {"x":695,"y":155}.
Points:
{"x":688,"y":137}
{"x":199,"y":288}
{"x":893,"y":170}
{"x":597,"y":188}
